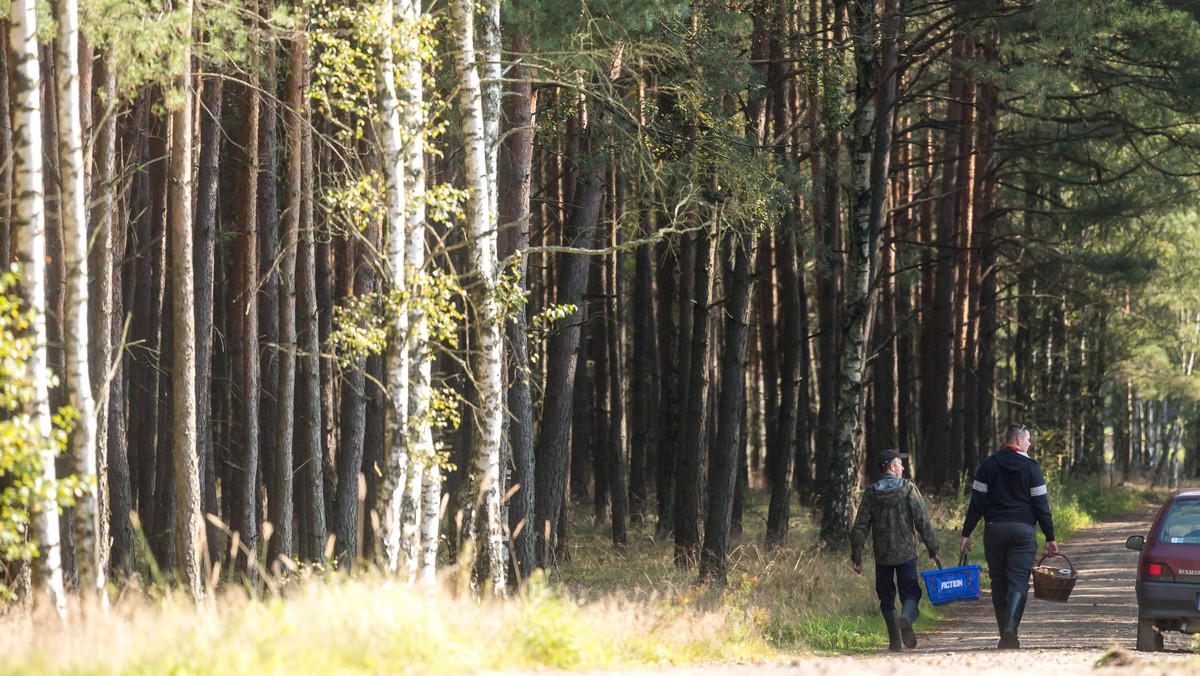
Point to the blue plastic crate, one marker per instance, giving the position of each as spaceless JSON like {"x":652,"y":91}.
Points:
{"x":952,"y":584}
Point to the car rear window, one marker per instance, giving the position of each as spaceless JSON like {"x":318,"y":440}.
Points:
{"x":1182,"y":523}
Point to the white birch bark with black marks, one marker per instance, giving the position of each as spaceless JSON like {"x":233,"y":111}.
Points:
{"x":861,"y":264}
{"x":188,"y":521}
{"x":419,"y":535}
{"x":73,"y":212}
{"x":492,"y":75}
{"x":397,"y":465}
{"x":487,"y":361}
{"x":29,"y":218}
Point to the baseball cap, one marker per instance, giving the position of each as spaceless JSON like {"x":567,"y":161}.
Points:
{"x":886,"y":457}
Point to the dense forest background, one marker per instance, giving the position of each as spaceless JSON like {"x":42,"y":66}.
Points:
{"x":327,"y":283}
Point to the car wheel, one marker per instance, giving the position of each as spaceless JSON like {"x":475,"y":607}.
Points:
{"x":1149,"y":639}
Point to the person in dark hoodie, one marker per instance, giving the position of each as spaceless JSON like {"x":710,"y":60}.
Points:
{"x":891,"y":509}
{"x":1009,"y":494}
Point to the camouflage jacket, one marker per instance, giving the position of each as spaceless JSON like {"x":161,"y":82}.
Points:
{"x":892,"y":509}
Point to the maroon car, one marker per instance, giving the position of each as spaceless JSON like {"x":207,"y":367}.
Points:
{"x":1168,"y":572}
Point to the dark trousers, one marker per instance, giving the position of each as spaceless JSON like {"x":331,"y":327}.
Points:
{"x":887,"y":578}
{"x":1009,"y":549}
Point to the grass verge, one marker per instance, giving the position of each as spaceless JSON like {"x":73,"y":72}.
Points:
{"x":601,"y":609}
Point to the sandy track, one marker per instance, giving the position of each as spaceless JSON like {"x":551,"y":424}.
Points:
{"x":1057,"y":638}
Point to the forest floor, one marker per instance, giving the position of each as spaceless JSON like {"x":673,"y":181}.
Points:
{"x":1093,"y":632}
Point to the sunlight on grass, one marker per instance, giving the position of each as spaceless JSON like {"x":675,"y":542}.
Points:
{"x":601,"y":609}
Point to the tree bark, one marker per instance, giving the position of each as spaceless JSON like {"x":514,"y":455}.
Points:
{"x":561,"y":360}
{"x":100,"y":308}
{"x":243,"y":519}
{"x":400,"y":463}
{"x":488,"y":366}
{"x":669,"y":375}
{"x":212,"y":97}
{"x":515,"y":172}
{"x":73,"y":210}
{"x":309,"y":456}
{"x":937,"y":385}
{"x":827,"y":182}
{"x":870,"y":152}
{"x":281,"y":506}
{"x":188,"y":543}
{"x":616,"y":440}
{"x":29,"y":218}
{"x":269,"y":257}
{"x":688,"y":471}
{"x":644,"y":375}
{"x":724,"y":465}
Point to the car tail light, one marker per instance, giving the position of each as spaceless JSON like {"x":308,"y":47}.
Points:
{"x":1158,"y":572}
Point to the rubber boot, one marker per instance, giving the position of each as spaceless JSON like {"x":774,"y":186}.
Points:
{"x":1016,"y":609}
{"x":1000,"y":606}
{"x":908,"y":615}
{"x":893,"y":629}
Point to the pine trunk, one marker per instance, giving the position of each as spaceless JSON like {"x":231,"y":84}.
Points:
{"x":308,"y":463}
{"x":688,"y":470}
{"x":562,"y":354}
{"x":243,"y":519}
{"x":515,"y":168}
{"x":725,"y":460}
{"x":100,"y":312}
{"x":212,"y":97}
{"x":281,"y":506}
{"x":188,"y":521}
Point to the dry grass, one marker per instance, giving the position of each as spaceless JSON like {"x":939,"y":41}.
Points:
{"x":601,"y":609}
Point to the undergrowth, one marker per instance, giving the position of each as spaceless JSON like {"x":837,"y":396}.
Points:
{"x":599,"y":609}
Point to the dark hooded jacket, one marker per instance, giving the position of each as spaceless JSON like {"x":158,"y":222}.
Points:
{"x":1009,"y":488}
{"x":893,"y":511}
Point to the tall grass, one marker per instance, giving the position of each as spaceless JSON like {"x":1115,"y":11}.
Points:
{"x":601,"y":609}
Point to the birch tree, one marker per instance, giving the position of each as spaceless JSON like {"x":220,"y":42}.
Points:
{"x":29,"y":216}
{"x":398,"y":464}
{"x":485,"y":531}
{"x":73,"y":201}
{"x":422,"y":497}
{"x":866,"y":217}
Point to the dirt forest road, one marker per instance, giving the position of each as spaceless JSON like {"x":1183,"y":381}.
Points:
{"x":1056,"y":638}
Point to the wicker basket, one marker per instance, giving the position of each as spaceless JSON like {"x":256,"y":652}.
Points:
{"x":1053,"y":584}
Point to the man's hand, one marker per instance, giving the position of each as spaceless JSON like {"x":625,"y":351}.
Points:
{"x":964,"y":545}
{"x":857,"y":568}
{"x":937,"y":561}
{"x":1051,"y":548}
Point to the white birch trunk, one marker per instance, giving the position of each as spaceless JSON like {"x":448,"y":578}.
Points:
{"x":29,"y":218}
{"x":431,"y":519}
{"x":188,"y":521}
{"x":492,"y":76}
{"x":418,"y":532}
{"x":397,"y":464}
{"x":487,"y":362}
{"x":82,"y":444}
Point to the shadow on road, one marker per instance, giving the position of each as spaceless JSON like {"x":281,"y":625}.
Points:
{"x":1101,"y":613}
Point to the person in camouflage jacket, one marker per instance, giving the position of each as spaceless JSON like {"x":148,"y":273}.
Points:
{"x":892,"y":510}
